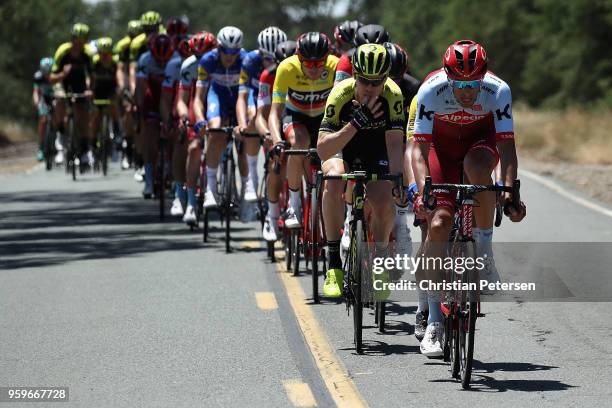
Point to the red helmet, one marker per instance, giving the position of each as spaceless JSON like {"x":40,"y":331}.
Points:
{"x":202,"y":42}
{"x":465,"y":60}
{"x":176,"y":26}
{"x":161,"y":47}
{"x":182,"y":46}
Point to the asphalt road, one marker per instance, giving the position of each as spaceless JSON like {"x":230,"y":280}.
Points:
{"x":99,"y":296}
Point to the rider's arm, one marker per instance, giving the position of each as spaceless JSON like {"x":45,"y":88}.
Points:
{"x":395,"y":150}
{"x":171,"y":75}
{"x":504,"y":134}
{"x":509,"y":161}
{"x":261,"y":119}
{"x":423,"y":131}
{"x":242,"y":101}
{"x":395,"y":127}
{"x":420,"y":164}
{"x":141,"y":82}
{"x":132,"y":79}
{"x":275,"y":121}
{"x":408,"y":173}
{"x":121,"y":75}
{"x":182,"y":104}
{"x":332,"y":135}
{"x":330,"y":143}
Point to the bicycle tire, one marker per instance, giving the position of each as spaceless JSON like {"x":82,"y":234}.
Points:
{"x":356,"y":278}
{"x":287,"y":241}
{"x":73,"y":152}
{"x":205,"y":213}
{"x":228,"y":201}
{"x":48,"y":145}
{"x":104,"y":145}
{"x":314,"y":244}
{"x":380,"y":315}
{"x":295,"y":247}
{"x":161,"y":179}
{"x":467,"y":330}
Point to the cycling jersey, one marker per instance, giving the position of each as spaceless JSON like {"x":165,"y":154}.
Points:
{"x":104,"y":77}
{"x":44,"y":87}
{"x":188,"y":77}
{"x":266,"y":83}
{"x":81,"y":67}
{"x":154,"y":73}
{"x":440,"y":113}
{"x":122,"y":49}
{"x":369,"y":145}
{"x":452,"y":131}
{"x":411,"y":117}
{"x":250,"y":72}
{"x":222,"y":83}
{"x":409,"y":86}
{"x":172,"y":74}
{"x":344,"y":69}
{"x":301,"y":94}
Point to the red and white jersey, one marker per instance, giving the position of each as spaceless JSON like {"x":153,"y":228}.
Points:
{"x":439,"y":113}
{"x":266,"y":83}
{"x":189,"y":74}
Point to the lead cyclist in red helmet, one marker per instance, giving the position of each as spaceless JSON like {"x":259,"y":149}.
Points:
{"x":463,"y":115}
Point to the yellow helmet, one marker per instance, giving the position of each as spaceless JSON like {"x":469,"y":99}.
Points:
{"x":371,"y":61}
{"x":80,"y":30}
{"x":104,"y":44}
{"x":150,"y":21}
{"x":134,"y":28}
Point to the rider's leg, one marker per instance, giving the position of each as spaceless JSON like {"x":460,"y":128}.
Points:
{"x":478,"y":166}
{"x":299,"y":138}
{"x":333,"y":208}
{"x":81,"y":119}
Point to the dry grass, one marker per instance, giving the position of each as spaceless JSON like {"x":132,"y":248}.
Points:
{"x":574,"y":136}
{"x":12,"y":133}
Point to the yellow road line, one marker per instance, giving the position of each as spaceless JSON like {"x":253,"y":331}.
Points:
{"x":266,"y":300}
{"x":340,"y":386}
{"x":299,"y":393}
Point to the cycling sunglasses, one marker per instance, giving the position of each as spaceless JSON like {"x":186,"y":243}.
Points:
{"x":465,"y":84}
{"x":313,"y":64}
{"x":230,"y":51}
{"x":370,"y":82}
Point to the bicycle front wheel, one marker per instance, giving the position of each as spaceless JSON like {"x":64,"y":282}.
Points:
{"x":356,"y":278}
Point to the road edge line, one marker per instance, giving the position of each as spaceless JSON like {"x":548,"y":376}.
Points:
{"x":565,"y":193}
{"x":341,"y":387}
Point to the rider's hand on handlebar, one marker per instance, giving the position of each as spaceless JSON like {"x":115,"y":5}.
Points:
{"x":515,"y":214}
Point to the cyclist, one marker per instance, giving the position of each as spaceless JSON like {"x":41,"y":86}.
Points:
{"x":264,"y":100}
{"x":246,"y":106}
{"x":71,"y":68}
{"x":302,"y":83}
{"x":367,"y":34}
{"x":217,"y":89}
{"x":151,"y":74}
{"x":463,"y":115}
{"x":344,"y":33}
{"x":188,"y":153}
{"x":104,"y":79}
{"x":122,"y":51}
{"x":362,"y":129}
{"x":42,"y":99}
{"x":169,"y":102}
{"x":151,"y":23}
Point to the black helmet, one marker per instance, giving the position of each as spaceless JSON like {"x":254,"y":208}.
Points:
{"x":399,"y":59}
{"x":284,"y":50}
{"x":345,"y":31}
{"x":371,"y":33}
{"x":312,"y":46}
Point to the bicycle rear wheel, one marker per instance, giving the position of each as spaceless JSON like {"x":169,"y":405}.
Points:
{"x":104,"y":146}
{"x":71,"y":159}
{"x":295,"y":248}
{"x":161,"y":179}
{"x":467,"y":334}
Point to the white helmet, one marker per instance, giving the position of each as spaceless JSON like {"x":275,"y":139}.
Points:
{"x":269,"y":38}
{"x":230,"y":37}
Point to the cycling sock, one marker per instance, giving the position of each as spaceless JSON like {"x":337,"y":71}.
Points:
{"x":148,"y":168}
{"x":401,"y":215}
{"x":484,"y":241}
{"x":423,"y":305}
{"x":294,"y":199}
{"x":252,"y":161}
{"x":382,"y":250}
{"x":191,"y":197}
{"x":211,"y":178}
{"x":333,"y":249}
{"x":273,"y":209}
{"x":179,"y":192}
{"x":435,"y":312}
{"x":243,"y":181}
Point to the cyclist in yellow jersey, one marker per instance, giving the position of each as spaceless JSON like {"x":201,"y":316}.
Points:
{"x":70,"y":73}
{"x":362,"y":130}
{"x":302,"y":85}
